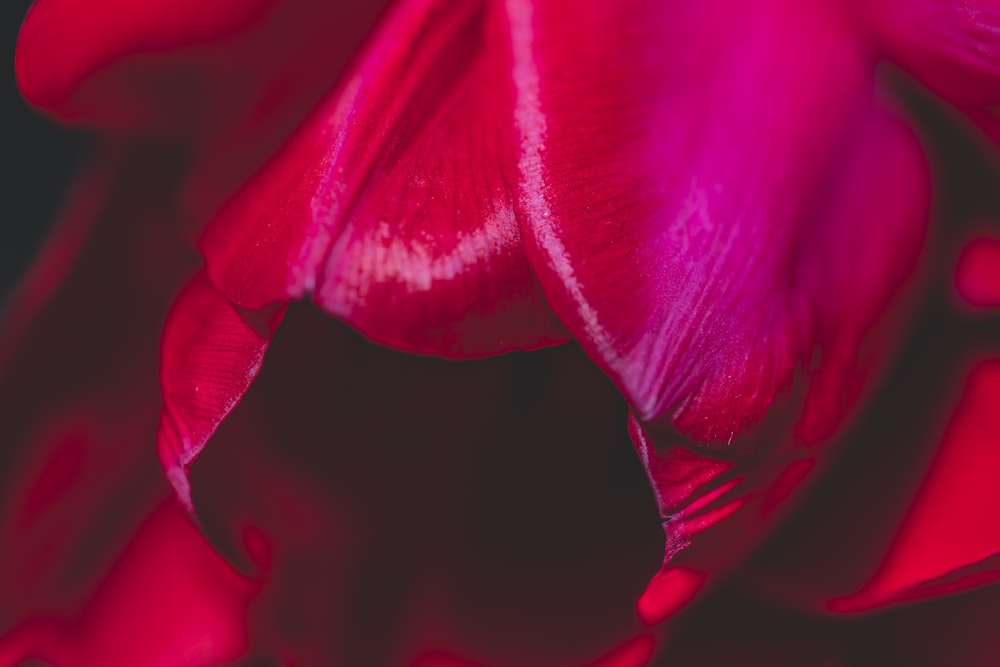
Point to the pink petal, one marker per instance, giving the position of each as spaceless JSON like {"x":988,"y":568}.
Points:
{"x":954,"y":47}
{"x":693,"y":195}
{"x":212,"y":350}
{"x":733,"y":491}
{"x":391,"y":205}
{"x":977,"y":276}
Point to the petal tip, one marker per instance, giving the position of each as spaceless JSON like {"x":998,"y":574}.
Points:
{"x":668,"y":592}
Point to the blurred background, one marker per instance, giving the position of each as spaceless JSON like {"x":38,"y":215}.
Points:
{"x":38,"y":160}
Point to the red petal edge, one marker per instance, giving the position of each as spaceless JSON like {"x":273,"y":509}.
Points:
{"x":212,"y":350}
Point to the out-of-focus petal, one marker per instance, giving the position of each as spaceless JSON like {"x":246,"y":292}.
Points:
{"x":169,"y":601}
{"x":78,"y":392}
{"x":953,"y":47}
{"x":212,"y":350}
{"x":977,"y":276}
{"x":232,"y":72}
{"x":945,"y":541}
{"x":92,"y":36}
{"x":61,"y":249}
{"x":910,"y":527}
{"x":392,"y":205}
{"x":677,"y":200}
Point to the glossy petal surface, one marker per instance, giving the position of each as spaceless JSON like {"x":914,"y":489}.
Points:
{"x":677,"y":198}
{"x":392,"y":205}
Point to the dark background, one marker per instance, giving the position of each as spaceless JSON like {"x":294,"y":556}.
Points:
{"x":38,"y":160}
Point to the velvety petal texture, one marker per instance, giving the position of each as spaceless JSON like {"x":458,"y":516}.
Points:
{"x":677,"y":199}
{"x":393,"y":204}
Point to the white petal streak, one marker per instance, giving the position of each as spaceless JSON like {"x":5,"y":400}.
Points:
{"x":532,"y":125}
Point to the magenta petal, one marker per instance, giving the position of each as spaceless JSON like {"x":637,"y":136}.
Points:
{"x":732,"y":491}
{"x":212,"y":350}
{"x":664,"y":195}
{"x":392,"y":205}
{"x":678,"y":179}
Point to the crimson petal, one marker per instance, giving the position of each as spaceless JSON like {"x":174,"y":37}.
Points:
{"x":733,"y":491}
{"x":673,"y":181}
{"x":703,"y":289}
{"x":392,"y":205}
{"x":211,"y":352}
{"x":977,"y":276}
{"x":92,"y":38}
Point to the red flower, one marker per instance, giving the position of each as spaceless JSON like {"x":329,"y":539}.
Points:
{"x":718,"y":203}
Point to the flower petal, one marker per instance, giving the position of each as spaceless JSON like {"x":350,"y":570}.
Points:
{"x":93,"y":36}
{"x":211,"y":352}
{"x":953,"y":47}
{"x":910,"y":527}
{"x":391,"y":205}
{"x":675,"y":189}
{"x":941,"y":544}
{"x":977,"y":276}
{"x":411,"y":538}
{"x":230,"y":73}
{"x":733,"y":491}
{"x":168,"y":600}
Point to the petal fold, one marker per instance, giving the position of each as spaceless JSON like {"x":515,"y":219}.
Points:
{"x":211,"y":351}
{"x":392,"y":205}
